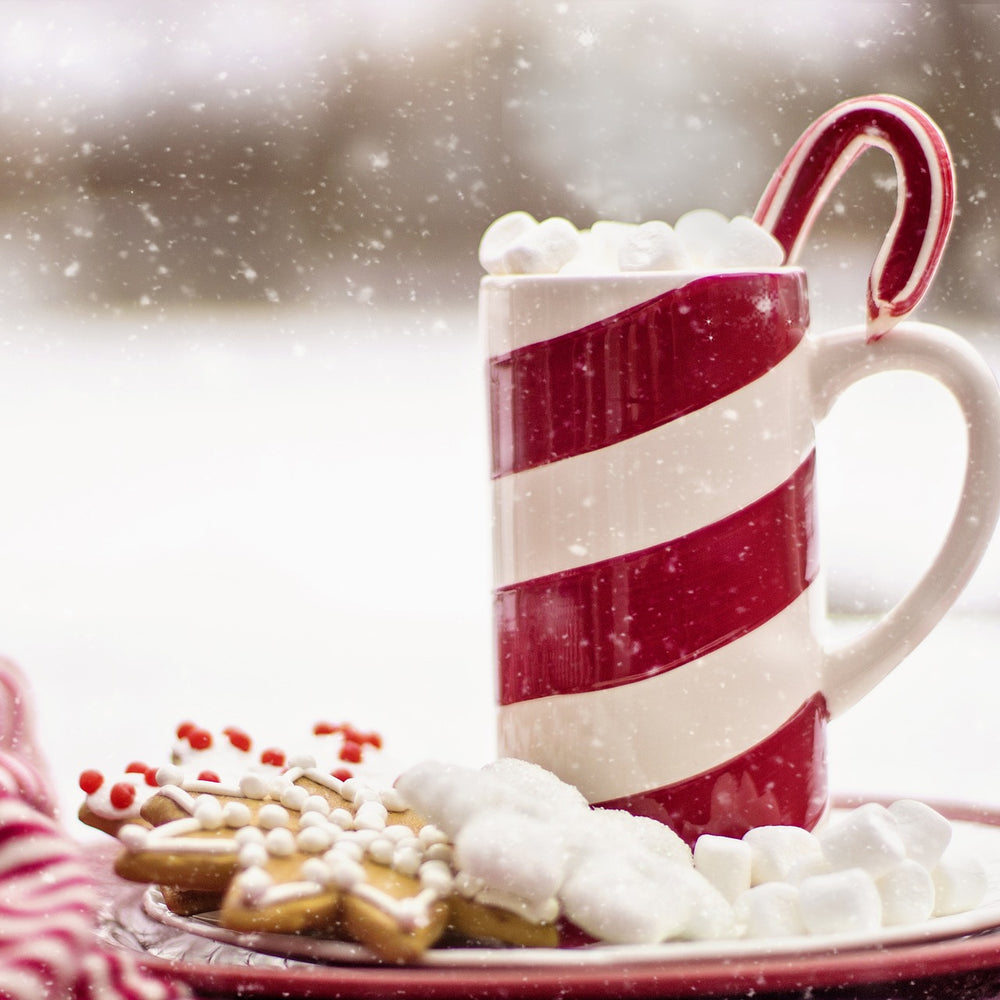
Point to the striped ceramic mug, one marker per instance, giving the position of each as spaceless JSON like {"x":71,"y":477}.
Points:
{"x":657,"y":595}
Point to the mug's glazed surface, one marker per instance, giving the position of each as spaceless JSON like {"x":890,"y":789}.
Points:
{"x":657,"y":592}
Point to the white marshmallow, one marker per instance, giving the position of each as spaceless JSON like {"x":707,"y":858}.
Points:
{"x":598,"y":248}
{"x":653,"y":246}
{"x":959,"y":883}
{"x":907,"y":894}
{"x":777,"y":851}
{"x":925,"y":832}
{"x":725,"y":862}
{"x":745,"y":244}
{"x":866,"y":838}
{"x":500,"y":235}
{"x":711,"y":917}
{"x":611,"y":829}
{"x":543,"y":249}
{"x":769,"y":910}
{"x":748,"y":244}
{"x":841,"y":902}
{"x":700,"y":233}
{"x":513,"y":853}
{"x":621,"y":900}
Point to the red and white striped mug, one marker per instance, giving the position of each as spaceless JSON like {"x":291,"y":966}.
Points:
{"x":657,"y":597}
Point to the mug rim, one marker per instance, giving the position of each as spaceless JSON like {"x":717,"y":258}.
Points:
{"x":632,"y":277}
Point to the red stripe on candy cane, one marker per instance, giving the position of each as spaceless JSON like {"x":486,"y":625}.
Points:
{"x":48,"y":901}
{"x":782,"y":781}
{"x":641,"y":368}
{"x":613,"y":622}
{"x":912,"y":249}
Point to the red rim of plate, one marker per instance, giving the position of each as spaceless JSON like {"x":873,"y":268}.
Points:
{"x":912,"y":964}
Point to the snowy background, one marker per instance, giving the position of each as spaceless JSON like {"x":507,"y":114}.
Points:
{"x":241,"y":389}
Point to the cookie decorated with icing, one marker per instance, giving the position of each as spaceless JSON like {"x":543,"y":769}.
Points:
{"x":224,"y":756}
{"x":192,"y":829}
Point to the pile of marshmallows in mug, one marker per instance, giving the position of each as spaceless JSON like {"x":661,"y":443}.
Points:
{"x":700,"y":240}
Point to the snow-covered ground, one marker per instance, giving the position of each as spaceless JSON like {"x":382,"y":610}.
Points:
{"x":270,"y":518}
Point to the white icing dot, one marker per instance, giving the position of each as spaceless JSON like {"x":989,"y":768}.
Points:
{"x":363,"y":838}
{"x":314,"y":839}
{"x":253,"y":883}
{"x":398,"y":833}
{"x":248,"y":835}
{"x":253,"y":786}
{"x":393,"y":800}
{"x":133,"y":836}
{"x":272,"y":816}
{"x":252,"y":854}
{"x":439,"y":852}
{"x":406,"y":860}
{"x":169,"y":774}
{"x":410,"y":913}
{"x":316,"y":870}
{"x":208,"y":812}
{"x":280,"y":842}
{"x":381,"y":850}
{"x":430,"y":834}
{"x":371,"y":815}
{"x":294,"y":797}
{"x":236,"y":814}
{"x":436,"y":876}
{"x":345,"y":848}
{"x":342,"y":818}
{"x":350,"y":788}
{"x":346,"y":873}
{"x":316,"y":804}
{"x":314,"y":818}
{"x":302,"y":761}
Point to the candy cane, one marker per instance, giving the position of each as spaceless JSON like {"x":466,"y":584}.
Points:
{"x":911,"y":250}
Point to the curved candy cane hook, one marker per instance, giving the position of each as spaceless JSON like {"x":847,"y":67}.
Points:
{"x":925,"y":203}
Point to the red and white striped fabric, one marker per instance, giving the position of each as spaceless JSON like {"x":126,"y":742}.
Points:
{"x":655,"y":549}
{"x":48,"y":904}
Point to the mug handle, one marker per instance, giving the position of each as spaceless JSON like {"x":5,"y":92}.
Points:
{"x":845,"y":356}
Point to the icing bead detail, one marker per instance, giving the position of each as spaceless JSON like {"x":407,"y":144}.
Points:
{"x":280,"y":842}
{"x":91,"y":781}
{"x":237,"y":738}
{"x":122,"y":795}
{"x":253,"y":786}
{"x":236,"y":814}
{"x":272,"y":816}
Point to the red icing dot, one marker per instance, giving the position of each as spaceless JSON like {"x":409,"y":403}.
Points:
{"x":209,"y":776}
{"x":238,"y":738}
{"x":90,"y":781}
{"x":273,"y":756}
{"x":351,"y":751}
{"x":200,"y":739}
{"x":184,"y":728}
{"x":122,"y":795}
{"x":151,"y":777}
{"x":137,"y":767}
{"x":342,"y":773}
{"x":357,"y":736}
{"x":326,"y":728}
